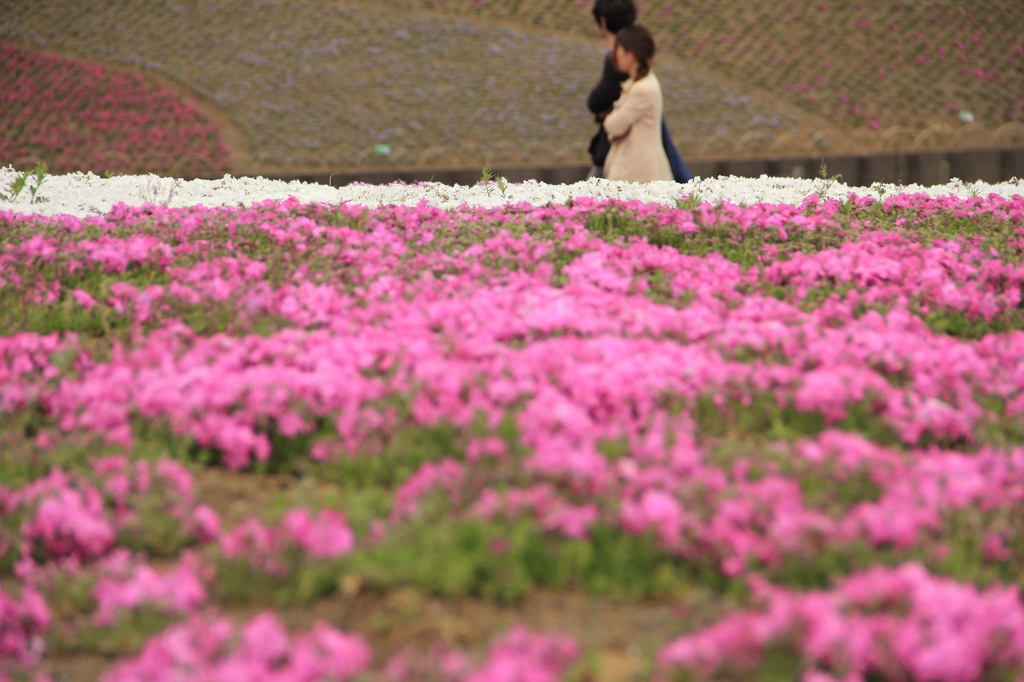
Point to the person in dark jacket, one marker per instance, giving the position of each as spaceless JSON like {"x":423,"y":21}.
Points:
{"x":612,"y":16}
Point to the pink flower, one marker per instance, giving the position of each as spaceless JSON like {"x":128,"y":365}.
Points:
{"x":524,"y":656}
{"x":201,"y":649}
{"x":342,"y":655}
{"x":264,"y":639}
{"x":83,"y":298}
{"x":876,"y":620}
{"x":324,"y":536}
{"x":22,"y":624}
{"x":179,"y":590}
{"x":71,"y":524}
{"x":251,"y":537}
{"x":572,"y":522}
{"x":206,"y":523}
{"x":658,"y":509}
{"x":447,"y":474}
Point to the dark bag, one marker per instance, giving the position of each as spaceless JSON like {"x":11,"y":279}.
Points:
{"x":599,"y":147}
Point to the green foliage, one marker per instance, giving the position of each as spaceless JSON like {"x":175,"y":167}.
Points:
{"x":18,"y":313}
{"x":26,"y":462}
{"x":503,"y":560}
{"x":157,"y":531}
{"x":25,"y":180}
{"x":293,"y":579}
{"x":959,"y":324}
{"x":31,"y":444}
{"x":391,"y":458}
{"x":761,"y":415}
{"x":614,"y":450}
{"x":999,"y":429}
{"x":659,"y":290}
{"x":126,"y":637}
{"x":10,"y":527}
{"x":743,"y":247}
{"x":689,"y":203}
{"x":69,"y":596}
{"x":387,"y":461}
{"x":963,"y":555}
{"x":827,"y":181}
{"x":818,"y":568}
{"x":836,"y":493}
{"x":957,"y":552}
{"x":70,"y":600}
{"x":361,"y":505}
{"x":409,"y":448}
{"x":487,"y":178}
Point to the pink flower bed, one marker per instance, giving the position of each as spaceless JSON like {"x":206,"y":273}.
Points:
{"x":262,"y":650}
{"x":77,"y":117}
{"x":834,"y":390}
{"x":22,"y":623}
{"x":76,"y":520}
{"x":881,"y":622}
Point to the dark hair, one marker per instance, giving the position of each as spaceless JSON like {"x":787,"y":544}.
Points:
{"x":638,"y":41}
{"x":617,"y":14}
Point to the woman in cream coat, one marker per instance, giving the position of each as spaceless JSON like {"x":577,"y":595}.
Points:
{"x":637,"y":153}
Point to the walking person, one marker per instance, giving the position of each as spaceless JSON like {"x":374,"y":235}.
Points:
{"x":634,"y":124}
{"x":612,"y":16}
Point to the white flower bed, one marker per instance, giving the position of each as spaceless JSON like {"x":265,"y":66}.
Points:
{"x":82,"y":194}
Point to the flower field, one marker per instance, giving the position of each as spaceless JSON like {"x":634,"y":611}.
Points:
{"x":76,"y":117}
{"x":589,"y":440}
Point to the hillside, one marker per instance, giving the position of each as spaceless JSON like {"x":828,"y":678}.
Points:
{"x":313,"y":84}
{"x":879,"y":64}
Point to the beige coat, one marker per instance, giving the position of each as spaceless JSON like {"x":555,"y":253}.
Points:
{"x":634,"y":127}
